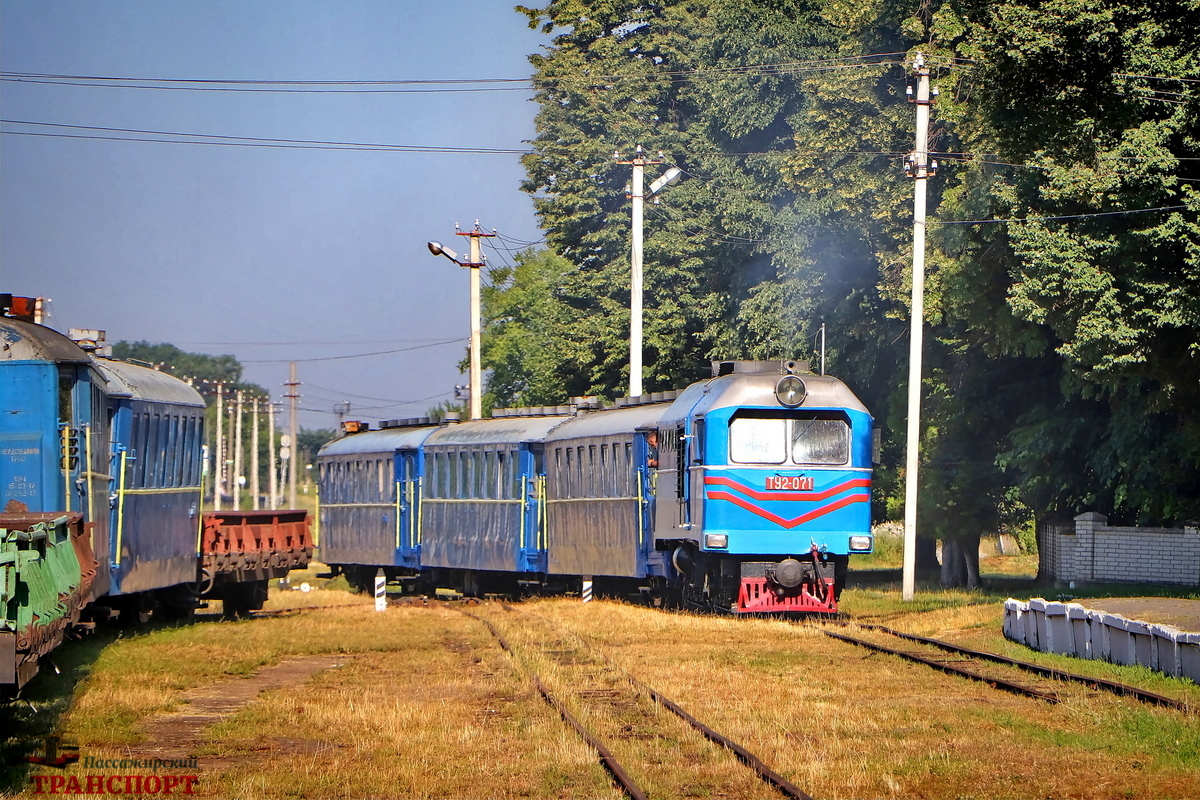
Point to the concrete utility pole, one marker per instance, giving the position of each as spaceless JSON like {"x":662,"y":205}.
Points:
{"x":274,"y":482}
{"x":230,"y":449}
{"x":254,"y":503}
{"x":638,"y":194}
{"x":239,"y":458}
{"x":918,"y":167}
{"x":293,"y":397}
{"x":475,"y":264}
{"x":219,"y":462}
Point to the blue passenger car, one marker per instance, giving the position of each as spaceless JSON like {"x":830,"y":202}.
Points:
{"x":600,"y":472}
{"x":157,"y":437}
{"x":370,"y":500}
{"x":483,"y":508}
{"x":100,"y":497}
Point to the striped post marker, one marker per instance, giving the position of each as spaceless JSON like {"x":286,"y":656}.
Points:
{"x":380,"y":591}
{"x":587,"y":589}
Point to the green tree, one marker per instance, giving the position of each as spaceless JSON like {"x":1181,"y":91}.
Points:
{"x":1098,"y":99}
{"x":534,"y":348}
{"x":1061,"y":356}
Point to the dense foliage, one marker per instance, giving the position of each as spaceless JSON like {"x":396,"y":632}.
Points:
{"x":1062,"y":364}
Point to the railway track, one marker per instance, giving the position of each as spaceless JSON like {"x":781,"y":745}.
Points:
{"x":1001,"y":672}
{"x":598,"y":683}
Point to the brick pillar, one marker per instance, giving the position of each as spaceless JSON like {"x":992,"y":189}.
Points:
{"x":1085,"y":543}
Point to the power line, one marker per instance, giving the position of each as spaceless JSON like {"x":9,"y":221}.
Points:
{"x":1155,"y":77}
{"x":1064,"y":216}
{"x":356,"y":355}
{"x":304,"y":343}
{"x":253,"y":140}
{"x":341,"y":394}
{"x":440,"y":84}
{"x":236,"y":89}
{"x":242,"y":81}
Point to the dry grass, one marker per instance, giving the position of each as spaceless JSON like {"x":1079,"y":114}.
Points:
{"x":842,"y":722}
{"x":425,"y":704}
{"x":417,"y":684}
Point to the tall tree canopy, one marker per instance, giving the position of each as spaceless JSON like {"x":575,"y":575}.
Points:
{"x":1062,"y":367}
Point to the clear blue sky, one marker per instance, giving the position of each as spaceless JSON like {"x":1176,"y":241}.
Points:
{"x":269,"y":254}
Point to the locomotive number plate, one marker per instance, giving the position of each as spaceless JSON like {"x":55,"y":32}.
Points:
{"x":789,"y":483}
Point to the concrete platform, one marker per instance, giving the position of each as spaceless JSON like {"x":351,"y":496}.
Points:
{"x":1157,"y":632}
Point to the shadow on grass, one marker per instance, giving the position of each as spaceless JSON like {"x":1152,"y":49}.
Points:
{"x":34,"y":713}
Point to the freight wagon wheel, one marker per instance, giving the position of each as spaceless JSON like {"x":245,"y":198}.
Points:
{"x":178,"y":603}
{"x":242,"y":598}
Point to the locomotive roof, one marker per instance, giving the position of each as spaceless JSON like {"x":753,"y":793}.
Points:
{"x":28,"y":341}
{"x":505,"y":430}
{"x":143,"y":383}
{"x":607,"y":423}
{"x":388,"y":441}
{"x":758,"y":390}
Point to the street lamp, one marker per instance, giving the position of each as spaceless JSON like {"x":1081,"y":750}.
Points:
{"x":438,"y":249}
{"x":638,"y":195}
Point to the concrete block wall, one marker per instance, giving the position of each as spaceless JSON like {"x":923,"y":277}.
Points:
{"x":1095,"y":552}
{"x":1073,"y":630}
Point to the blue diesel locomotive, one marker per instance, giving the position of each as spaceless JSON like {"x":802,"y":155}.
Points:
{"x":746,"y":492}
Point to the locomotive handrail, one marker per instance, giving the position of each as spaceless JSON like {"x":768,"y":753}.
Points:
{"x":420,"y":502}
{"x":399,"y":490}
{"x":524,"y":510}
{"x":120,"y":509}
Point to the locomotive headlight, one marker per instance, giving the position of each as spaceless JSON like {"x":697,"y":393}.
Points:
{"x":716,"y":541}
{"x":790,"y":391}
{"x":860,"y":543}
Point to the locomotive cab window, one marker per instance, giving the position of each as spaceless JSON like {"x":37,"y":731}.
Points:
{"x":771,"y":438}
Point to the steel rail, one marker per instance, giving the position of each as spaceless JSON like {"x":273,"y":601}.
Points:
{"x":1046,"y":672}
{"x":752,"y":761}
{"x":998,"y":683}
{"x":745,"y":756}
{"x":627,"y":784}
